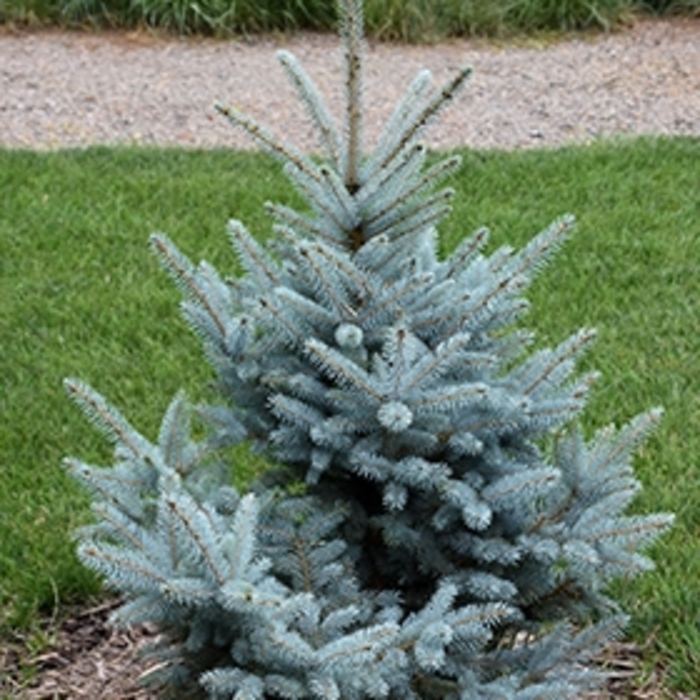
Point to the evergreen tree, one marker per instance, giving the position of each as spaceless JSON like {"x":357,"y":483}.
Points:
{"x":455,"y":531}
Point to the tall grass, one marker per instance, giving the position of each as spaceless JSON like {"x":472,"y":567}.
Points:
{"x":205,"y":16}
{"x":81,"y":296}
{"x":31,"y":12}
{"x":690,"y":8}
{"x":421,"y":20}
{"x":404,"y":20}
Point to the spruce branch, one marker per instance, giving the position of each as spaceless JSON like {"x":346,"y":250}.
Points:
{"x":412,"y":218}
{"x":343,"y":200}
{"x":449,"y":355}
{"x":339,"y":368}
{"x":477,"y":309}
{"x":610,"y":449}
{"x":197,"y":528}
{"x":549,"y":368}
{"x":358,"y":283}
{"x":354,"y":281}
{"x":563,"y":647}
{"x":628,"y":532}
{"x":402,"y":196}
{"x":375,"y":255}
{"x":400,"y":350}
{"x":236,"y":684}
{"x":315,"y":107}
{"x":253,"y":256}
{"x":323,"y":278}
{"x":322,"y":201}
{"x":465,"y":253}
{"x":402,"y":169}
{"x":113,"y":485}
{"x":120,"y":526}
{"x":510,"y":488}
{"x":533,"y":257}
{"x":310,"y":314}
{"x":227,"y":428}
{"x":295,"y":412}
{"x":184,"y":274}
{"x":450,"y":398}
{"x":402,"y":117}
{"x":123,"y":569}
{"x":434,"y":106}
{"x":241,"y":546}
{"x":142,"y":608}
{"x":545,"y":415}
{"x":173,"y":437}
{"x":277,"y":147}
{"x":435,"y":297}
{"x":292,"y":221}
{"x":351,"y":31}
{"x":365,"y":644}
{"x":301,"y":539}
{"x":268,"y":311}
{"x":107,"y":419}
{"x":381,"y":308}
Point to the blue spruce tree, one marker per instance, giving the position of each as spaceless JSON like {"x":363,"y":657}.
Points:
{"x":455,"y":532}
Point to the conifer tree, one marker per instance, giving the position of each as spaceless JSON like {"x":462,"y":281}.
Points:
{"x":455,"y":532}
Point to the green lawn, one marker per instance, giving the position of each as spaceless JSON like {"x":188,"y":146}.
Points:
{"x":80,"y":295}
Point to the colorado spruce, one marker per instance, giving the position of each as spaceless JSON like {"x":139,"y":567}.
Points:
{"x":455,"y":532}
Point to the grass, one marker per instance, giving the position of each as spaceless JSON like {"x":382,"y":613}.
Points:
{"x":404,"y":20}
{"x":83,"y":297}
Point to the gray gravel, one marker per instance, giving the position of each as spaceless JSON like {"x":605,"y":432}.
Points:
{"x":62,"y":89}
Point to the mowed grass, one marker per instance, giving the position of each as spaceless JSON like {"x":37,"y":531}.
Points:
{"x":80,"y":295}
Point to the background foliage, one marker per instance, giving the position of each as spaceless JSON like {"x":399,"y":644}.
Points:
{"x":405,"y":20}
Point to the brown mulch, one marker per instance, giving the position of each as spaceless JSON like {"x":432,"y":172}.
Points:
{"x":90,"y":659}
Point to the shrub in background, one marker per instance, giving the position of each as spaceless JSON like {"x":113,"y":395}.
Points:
{"x":29,"y":12}
{"x":566,"y":15}
{"x":217,"y":17}
{"x":405,"y":20}
{"x":421,"y":20}
{"x":672,"y":7}
{"x":224,"y":16}
{"x":437,"y":527}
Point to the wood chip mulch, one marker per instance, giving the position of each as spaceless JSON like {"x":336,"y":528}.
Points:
{"x":90,"y":659}
{"x":87,"y":659}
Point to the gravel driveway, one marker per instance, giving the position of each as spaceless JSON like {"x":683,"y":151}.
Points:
{"x":62,"y":89}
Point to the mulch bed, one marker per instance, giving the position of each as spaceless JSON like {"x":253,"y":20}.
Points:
{"x":90,"y":659}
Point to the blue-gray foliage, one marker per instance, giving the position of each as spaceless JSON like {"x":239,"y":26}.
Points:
{"x":456,"y":531}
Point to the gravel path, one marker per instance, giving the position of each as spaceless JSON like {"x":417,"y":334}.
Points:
{"x":71,"y":89}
